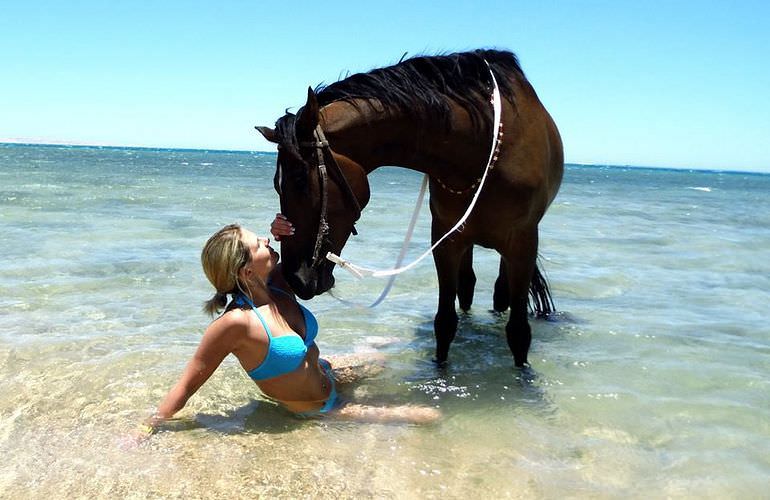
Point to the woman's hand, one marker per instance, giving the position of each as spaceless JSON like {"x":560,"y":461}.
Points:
{"x":281,"y":227}
{"x":140,"y":434}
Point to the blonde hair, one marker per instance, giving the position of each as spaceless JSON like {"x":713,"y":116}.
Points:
{"x":223,"y":255}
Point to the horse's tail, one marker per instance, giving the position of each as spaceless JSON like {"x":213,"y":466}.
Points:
{"x":540,"y":300}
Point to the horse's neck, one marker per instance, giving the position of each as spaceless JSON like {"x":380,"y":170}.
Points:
{"x":375,"y":139}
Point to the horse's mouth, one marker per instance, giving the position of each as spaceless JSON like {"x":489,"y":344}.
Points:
{"x":308,"y":283}
{"x":325,"y":284}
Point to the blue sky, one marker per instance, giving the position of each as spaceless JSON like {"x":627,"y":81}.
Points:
{"x":672,"y":84}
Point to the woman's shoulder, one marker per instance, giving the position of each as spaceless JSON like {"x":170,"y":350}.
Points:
{"x":233,"y":321}
{"x":228,"y":332}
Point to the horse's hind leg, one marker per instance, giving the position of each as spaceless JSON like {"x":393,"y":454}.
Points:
{"x":520,"y":264}
{"x":466,"y":280}
{"x":501,"y":298}
{"x":518,"y":332}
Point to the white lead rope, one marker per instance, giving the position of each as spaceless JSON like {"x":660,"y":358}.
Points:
{"x":353,"y":269}
{"x":361,"y":272}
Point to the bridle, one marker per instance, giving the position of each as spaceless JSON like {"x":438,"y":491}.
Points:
{"x":321,"y":146}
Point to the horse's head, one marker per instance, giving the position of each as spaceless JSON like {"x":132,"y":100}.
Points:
{"x":322,"y":193}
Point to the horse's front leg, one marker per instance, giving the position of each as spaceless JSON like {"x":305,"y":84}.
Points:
{"x":520,"y":259}
{"x":447,"y":259}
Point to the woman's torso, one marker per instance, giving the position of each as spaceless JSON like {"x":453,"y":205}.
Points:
{"x":305,"y":387}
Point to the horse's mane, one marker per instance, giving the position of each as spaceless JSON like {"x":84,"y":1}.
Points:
{"x":421,"y":86}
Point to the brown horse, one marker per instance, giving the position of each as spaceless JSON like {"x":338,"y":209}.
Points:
{"x":433,"y":115}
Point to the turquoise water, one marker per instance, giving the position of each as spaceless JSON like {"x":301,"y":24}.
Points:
{"x":651,"y":382}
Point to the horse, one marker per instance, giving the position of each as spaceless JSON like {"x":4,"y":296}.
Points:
{"x":431,"y":114}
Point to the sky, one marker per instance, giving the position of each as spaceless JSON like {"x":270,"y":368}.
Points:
{"x":680,"y":84}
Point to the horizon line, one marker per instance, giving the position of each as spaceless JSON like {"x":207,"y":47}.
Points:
{"x":31,"y":142}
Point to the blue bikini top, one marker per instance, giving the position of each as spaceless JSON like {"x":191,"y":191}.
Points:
{"x":286,"y":352}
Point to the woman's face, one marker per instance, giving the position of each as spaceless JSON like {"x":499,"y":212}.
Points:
{"x":263,"y":257}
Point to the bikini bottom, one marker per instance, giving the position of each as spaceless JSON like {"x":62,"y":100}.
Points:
{"x":332,"y":402}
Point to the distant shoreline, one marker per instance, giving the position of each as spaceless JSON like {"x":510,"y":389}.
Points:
{"x":6,"y":142}
{"x":141,"y":148}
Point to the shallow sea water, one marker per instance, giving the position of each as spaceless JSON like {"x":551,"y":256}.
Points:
{"x":652,"y":380}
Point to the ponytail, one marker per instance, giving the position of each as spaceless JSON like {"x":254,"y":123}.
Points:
{"x":215,"y":304}
{"x":222,"y":256}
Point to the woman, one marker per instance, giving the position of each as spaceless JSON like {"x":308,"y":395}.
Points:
{"x":270,"y":333}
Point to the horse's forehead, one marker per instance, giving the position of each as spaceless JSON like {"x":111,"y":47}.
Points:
{"x":290,"y":169}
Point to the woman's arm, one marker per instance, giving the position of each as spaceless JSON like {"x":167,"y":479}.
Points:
{"x":217,"y":342}
{"x":280,"y":228}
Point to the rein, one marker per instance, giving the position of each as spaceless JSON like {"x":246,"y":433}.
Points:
{"x":321,"y":145}
{"x":497,"y":133}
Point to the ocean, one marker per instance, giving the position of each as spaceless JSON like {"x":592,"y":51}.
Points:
{"x":652,"y":380}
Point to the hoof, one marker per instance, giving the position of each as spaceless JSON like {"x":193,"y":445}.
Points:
{"x":524,"y":365}
{"x":440,"y":363}
{"x":525,"y":375}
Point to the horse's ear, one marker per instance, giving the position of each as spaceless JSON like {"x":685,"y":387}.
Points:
{"x":268,"y":134}
{"x":307,"y":120}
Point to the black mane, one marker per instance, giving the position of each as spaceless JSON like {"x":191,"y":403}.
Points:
{"x":421,"y":86}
